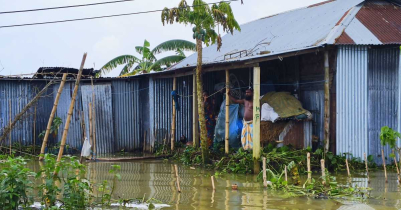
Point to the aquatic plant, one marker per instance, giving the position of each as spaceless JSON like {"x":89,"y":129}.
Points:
{"x":15,"y":184}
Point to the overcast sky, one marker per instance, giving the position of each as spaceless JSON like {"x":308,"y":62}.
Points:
{"x":25,"y":49}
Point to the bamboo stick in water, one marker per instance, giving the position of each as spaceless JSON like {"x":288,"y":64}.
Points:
{"x":384,"y":166}
{"x":178,"y":178}
{"x":366,"y":165}
{"x":264,"y":172}
{"x":346,"y":163}
{"x":214,"y":188}
{"x":323,"y":171}
{"x":309,"y":168}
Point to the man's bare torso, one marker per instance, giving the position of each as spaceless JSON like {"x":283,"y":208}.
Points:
{"x":248,"y":115}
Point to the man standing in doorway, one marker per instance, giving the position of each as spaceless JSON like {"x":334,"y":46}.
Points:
{"x":247,"y":129}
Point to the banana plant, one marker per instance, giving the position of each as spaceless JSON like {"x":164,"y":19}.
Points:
{"x":148,"y":62}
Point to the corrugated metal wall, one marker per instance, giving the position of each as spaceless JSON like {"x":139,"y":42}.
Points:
{"x":367,"y":98}
{"x":19,"y":93}
{"x":75,"y":135}
{"x":162,"y":108}
{"x":352,"y":100}
{"x":313,"y":101}
{"x":103,"y":115}
{"x":119,"y":113}
{"x":383,"y":65}
{"x":126,"y":115}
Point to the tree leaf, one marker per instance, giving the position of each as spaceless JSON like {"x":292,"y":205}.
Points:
{"x":174,"y":45}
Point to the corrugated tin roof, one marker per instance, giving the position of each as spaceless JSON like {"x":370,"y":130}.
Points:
{"x":304,"y":28}
{"x":376,"y":23}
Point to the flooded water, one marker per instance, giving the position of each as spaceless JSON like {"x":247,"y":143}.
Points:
{"x":156,"y":179}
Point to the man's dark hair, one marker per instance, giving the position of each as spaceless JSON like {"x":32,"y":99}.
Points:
{"x":205,"y":91}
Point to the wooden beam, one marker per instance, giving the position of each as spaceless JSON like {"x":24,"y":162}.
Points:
{"x":212,"y":68}
{"x":256,"y":119}
{"x":326,"y":102}
{"x":195,"y":120}
{"x":280,"y":56}
{"x":227,"y":112}
{"x":173,"y":117}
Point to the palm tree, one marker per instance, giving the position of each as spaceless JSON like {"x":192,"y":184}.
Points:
{"x":149,"y":62}
{"x":205,"y":20}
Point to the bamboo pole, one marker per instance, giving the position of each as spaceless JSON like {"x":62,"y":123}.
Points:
{"x":52,"y":114}
{"x":346,"y":164}
{"x":326,"y":102}
{"x":8,"y":129}
{"x":34,"y":130}
{"x":213,"y":187}
{"x":93,"y":118}
{"x":70,"y":110}
{"x":256,"y":120}
{"x":323,"y":171}
{"x":309,"y":169}
{"x":81,"y":159}
{"x":178,"y":178}
{"x":9,"y":104}
{"x":90,"y":126}
{"x":366,"y":165}
{"x":264,"y":172}
{"x":227,"y":112}
{"x":285,"y":174}
{"x":173,"y":118}
{"x":195,"y":128}
{"x":384,"y":166}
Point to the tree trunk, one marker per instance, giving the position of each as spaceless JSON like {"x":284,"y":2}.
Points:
{"x":201,"y":110}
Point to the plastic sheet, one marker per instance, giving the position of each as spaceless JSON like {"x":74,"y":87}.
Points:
{"x":235,"y":125}
{"x":86,"y":148}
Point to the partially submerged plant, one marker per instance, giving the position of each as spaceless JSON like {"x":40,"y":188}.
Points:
{"x":15,"y":184}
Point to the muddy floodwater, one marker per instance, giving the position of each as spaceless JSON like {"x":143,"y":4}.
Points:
{"x":156,"y":179}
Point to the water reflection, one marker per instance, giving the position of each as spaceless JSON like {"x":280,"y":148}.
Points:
{"x":156,"y":179}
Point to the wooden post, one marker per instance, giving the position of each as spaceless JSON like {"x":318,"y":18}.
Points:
{"x":195,"y":116}
{"x":9,"y":104}
{"x":323,"y":171}
{"x":178,"y":178}
{"x":309,"y":169}
{"x":227,"y":112}
{"x":256,"y":119}
{"x":264,"y":172}
{"x":398,"y":170}
{"x":90,"y":126}
{"x":366,"y":165}
{"x":326,"y":102}
{"x":34,"y":130}
{"x":213,"y":187}
{"x":285,"y":174}
{"x":52,"y":114}
{"x":346,"y":163}
{"x":384,"y":166}
{"x":70,"y":110}
{"x":93,"y":118}
{"x":173,"y":118}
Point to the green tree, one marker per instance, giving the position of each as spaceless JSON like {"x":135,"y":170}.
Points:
{"x":205,"y":19}
{"x":149,"y":62}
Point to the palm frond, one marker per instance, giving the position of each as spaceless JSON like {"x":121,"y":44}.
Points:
{"x":167,"y":61}
{"x":120,"y":60}
{"x":180,"y":52}
{"x":173,"y":45}
{"x":126,"y":69}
